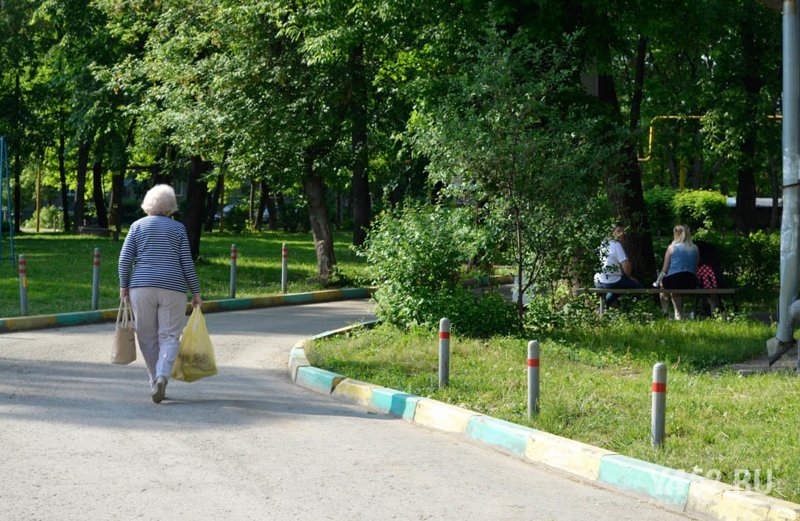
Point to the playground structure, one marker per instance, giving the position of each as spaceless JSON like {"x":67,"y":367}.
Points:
{"x":6,"y":215}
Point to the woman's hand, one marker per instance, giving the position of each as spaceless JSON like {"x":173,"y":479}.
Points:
{"x":196,"y":300}
{"x":123,"y":293}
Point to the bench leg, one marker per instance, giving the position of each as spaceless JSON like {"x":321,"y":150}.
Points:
{"x":602,"y":304}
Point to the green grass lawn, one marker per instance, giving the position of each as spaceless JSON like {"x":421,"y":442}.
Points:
{"x":595,"y":387}
{"x":60,"y":268}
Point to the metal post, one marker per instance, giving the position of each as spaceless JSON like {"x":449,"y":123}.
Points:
{"x":444,"y":353}
{"x":23,"y":285}
{"x":790,"y":222}
{"x":234,"y":254}
{"x":96,"y":279}
{"x":659,"y":403}
{"x":284,"y":267}
{"x":533,"y":378}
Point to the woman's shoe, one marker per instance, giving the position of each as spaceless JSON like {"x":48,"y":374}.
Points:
{"x":161,"y":390}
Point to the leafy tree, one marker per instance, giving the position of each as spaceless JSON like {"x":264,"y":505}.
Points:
{"x":512,"y":130}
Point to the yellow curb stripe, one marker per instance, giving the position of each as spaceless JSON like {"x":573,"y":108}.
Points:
{"x":442,"y":416}
{"x":354,"y":391}
{"x":565,"y":454}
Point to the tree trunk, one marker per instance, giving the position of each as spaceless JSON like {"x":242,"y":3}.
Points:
{"x":196,"y":193}
{"x":213,"y":206}
{"x":118,"y":184}
{"x":674,"y":175}
{"x":314,"y":188}
{"x":745,"y":213}
{"x":251,"y":203}
{"x":273,"y":212}
{"x":284,"y":213}
{"x":625,"y":193}
{"x":98,"y":194}
{"x":262,"y":204}
{"x":80,"y":184}
{"x":358,"y":114}
{"x":697,"y":173}
{"x":62,"y":174}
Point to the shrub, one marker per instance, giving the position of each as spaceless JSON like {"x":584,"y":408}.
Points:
{"x":236,"y":219}
{"x":701,"y":209}
{"x":416,"y":256}
{"x":50,"y":218}
{"x":660,"y":212}
{"x":758,"y":258}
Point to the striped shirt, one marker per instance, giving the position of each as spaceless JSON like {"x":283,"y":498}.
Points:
{"x":157,"y":248}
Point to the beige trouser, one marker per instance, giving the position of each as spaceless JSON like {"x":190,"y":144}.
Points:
{"x":160,"y":316}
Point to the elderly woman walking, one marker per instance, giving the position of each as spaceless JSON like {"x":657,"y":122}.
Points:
{"x":155,"y":271}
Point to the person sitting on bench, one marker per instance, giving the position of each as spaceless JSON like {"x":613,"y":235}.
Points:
{"x":680,"y":267}
{"x":616,"y":266}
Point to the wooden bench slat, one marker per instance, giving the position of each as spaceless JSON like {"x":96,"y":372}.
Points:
{"x":654,"y":291}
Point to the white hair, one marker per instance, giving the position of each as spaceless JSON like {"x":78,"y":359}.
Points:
{"x":160,"y":200}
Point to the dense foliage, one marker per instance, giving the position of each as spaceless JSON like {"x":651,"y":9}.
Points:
{"x":415,"y":258}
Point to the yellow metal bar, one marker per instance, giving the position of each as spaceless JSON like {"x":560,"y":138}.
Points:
{"x":652,"y":133}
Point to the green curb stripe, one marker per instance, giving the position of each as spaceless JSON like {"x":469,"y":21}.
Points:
{"x":298,"y":298}
{"x":499,"y":433}
{"x":355,"y":292}
{"x":81,"y":317}
{"x":396,"y":403}
{"x":317,"y":379}
{"x":235,"y":303}
{"x":210,"y":306}
{"x":661,"y":483}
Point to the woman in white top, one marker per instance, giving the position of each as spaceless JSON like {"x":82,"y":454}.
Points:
{"x":616,"y":266}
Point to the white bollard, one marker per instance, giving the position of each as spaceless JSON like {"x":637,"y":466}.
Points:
{"x":659,"y":403}
{"x":234,"y":254}
{"x":284,"y":267}
{"x":96,"y":279}
{"x":23,"y":285}
{"x":444,"y":353}
{"x":533,"y":378}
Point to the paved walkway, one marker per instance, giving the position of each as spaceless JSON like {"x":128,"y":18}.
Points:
{"x":80,"y":439}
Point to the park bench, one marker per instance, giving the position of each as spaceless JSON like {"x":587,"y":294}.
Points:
{"x":698,"y":293}
{"x":93,"y":230}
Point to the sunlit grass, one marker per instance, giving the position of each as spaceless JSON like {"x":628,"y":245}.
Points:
{"x":60,"y":268}
{"x":595,"y":388}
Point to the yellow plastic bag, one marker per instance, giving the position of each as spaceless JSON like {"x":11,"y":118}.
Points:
{"x":196,"y":358}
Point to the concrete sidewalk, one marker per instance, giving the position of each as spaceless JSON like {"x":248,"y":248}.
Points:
{"x":80,"y":439}
{"x":691,"y":493}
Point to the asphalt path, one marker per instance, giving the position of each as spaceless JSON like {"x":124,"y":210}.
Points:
{"x":81,"y":439}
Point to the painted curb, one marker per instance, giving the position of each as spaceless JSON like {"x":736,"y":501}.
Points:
{"x":687,"y":492}
{"x":666,"y":485}
{"x":318,"y":380}
{"x":442,"y":416}
{"x":212,"y":306}
{"x":565,"y":454}
{"x":726,"y":502}
{"x":354,"y":391}
{"x":394,"y":403}
{"x":297,"y":359}
{"x":501,"y":434}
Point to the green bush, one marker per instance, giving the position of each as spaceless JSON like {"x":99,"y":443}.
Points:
{"x":701,"y":209}
{"x":416,"y":256}
{"x":758,"y":258}
{"x":50,"y":218}
{"x":660,"y":212}
{"x":236,"y":220}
